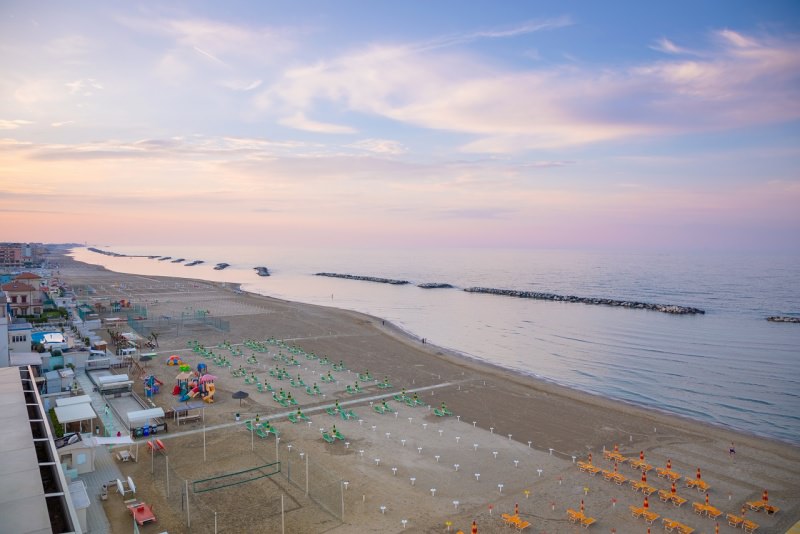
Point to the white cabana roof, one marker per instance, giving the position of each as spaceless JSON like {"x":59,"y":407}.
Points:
{"x":100,"y":440}
{"x":70,"y":401}
{"x":75,"y":412}
{"x":19,"y":359}
{"x":140,"y":415}
{"x":111,"y":379}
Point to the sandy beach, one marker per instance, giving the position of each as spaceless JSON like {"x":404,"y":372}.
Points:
{"x":511,"y":440}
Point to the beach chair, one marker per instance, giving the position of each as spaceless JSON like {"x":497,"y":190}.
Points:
{"x":522,"y":525}
{"x":351,"y":414}
{"x":250,"y":425}
{"x":260,"y":387}
{"x":387,"y":408}
{"x":635,"y":512}
{"x":685,"y":529}
{"x":272,"y":430}
{"x":338,"y":435}
{"x":678,"y":500}
{"x":331,"y":411}
{"x":379,"y":408}
{"x":755,"y":505}
{"x":573,"y":516}
{"x":445,"y":409}
{"x":669,"y":524}
{"x":749,"y":526}
{"x":699,"y":508}
{"x":438,"y":413}
{"x":509,"y":519}
{"x":399,"y":397}
{"x":664,"y":495}
{"x":261,"y":433}
{"x":327,"y":437}
{"x":713,"y":513}
{"x":586,"y":522}
{"x":650,"y":517}
{"x":293,"y":418}
{"x":734,"y":520}
{"x":310,"y":390}
{"x":384,"y":385}
{"x":771,"y":509}
{"x":648,"y":490}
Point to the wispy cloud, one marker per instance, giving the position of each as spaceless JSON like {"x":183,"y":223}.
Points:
{"x":84,"y":87}
{"x":379,"y":146}
{"x":548,"y":107}
{"x":669,"y":47}
{"x":60,"y":124}
{"x":299,"y":121}
{"x":241,"y":85}
{"x":13,"y":124}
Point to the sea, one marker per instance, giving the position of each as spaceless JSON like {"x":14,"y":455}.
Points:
{"x":728,"y":367}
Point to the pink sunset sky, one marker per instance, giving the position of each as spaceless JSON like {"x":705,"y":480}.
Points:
{"x":530,"y":125}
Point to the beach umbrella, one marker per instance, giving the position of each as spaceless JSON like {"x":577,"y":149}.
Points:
{"x":698,"y":473}
{"x":616,"y":448}
{"x":240,"y":395}
{"x":706,"y":499}
{"x":646,"y":503}
{"x":673,"y":490}
{"x":590,"y":457}
{"x":516,"y":509}
{"x":615,"y":467}
{"x":716,"y":529}
{"x":474,"y":527}
{"x":582,"y":508}
{"x":669,"y":463}
{"x":644,"y":476}
{"x":765,"y":496}
{"x":641,"y":456}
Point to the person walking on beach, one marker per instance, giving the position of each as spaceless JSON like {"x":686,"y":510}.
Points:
{"x":732,"y":451}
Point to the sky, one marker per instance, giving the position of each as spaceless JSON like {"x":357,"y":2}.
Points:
{"x":600,"y":125}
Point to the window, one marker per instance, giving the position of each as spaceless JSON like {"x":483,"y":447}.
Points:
{"x":24,"y":299}
{"x":13,"y":299}
{"x":19,"y":339}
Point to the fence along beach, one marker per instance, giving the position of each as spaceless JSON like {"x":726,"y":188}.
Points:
{"x":496,"y":409}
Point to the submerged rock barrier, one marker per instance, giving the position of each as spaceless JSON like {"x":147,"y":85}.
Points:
{"x":783,"y":319}
{"x":435,"y":285}
{"x":365,"y":278}
{"x":664,"y":308}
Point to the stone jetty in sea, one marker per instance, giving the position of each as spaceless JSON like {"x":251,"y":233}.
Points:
{"x":783,"y":319}
{"x":664,"y":308}
{"x":435,"y":285}
{"x":365,"y":278}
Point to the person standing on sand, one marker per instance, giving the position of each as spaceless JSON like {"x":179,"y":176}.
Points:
{"x":732,"y":451}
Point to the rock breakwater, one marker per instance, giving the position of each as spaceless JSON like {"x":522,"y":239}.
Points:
{"x":365,"y":278}
{"x":783,"y":319}
{"x":435,"y":285}
{"x":664,"y":308}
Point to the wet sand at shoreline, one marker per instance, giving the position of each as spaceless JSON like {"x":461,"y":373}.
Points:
{"x":499,"y":402}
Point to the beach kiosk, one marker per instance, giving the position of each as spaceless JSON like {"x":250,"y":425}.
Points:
{"x":75,"y":410}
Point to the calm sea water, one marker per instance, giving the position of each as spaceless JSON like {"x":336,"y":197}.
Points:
{"x":729,"y":367}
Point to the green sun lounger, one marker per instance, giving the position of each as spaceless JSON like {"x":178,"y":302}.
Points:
{"x":379,"y":408}
{"x":327,"y":437}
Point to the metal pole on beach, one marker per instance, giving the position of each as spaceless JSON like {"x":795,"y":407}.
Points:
{"x":283,"y":525}
{"x":188,"y":517}
{"x":306,"y":474}
{"x":341,"y":491}
{"x":204,"y":443}
{"x":167,"y":470}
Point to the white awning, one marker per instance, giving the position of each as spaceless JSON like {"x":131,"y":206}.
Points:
{"x":70,"y":401}
{"x":75,"y":412}
{"x":25,"y":358}
{"x":113,"y":440}
{"x":111,"y":379}
{"x":140,"y":415}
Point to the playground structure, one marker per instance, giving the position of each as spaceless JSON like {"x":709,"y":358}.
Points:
{"x":190,"y":385}
{"x":152,"y":386}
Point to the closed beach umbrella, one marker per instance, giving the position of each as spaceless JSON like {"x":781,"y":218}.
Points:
{"x":716,"y":529}
{"x":474,"y":527}
{"x":615,"y":467}
{"x":590,"y":457}
{"x":240,"y":395}
{"x":641,"y":456}
{"x":646,"y":504}
{"x":644,"y":476}
{"x":765,"y":496}
{"x":669,"y":463}
{"x":582,"y":506}
{"x":616,"y":448}
{"x":672,"y":489}
{"x":516,"y":509}
{"x":706,"y":499}
{"x":698,"y":473}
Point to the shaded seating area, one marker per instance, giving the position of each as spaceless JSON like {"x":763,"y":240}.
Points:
{"x":142,"y":513}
